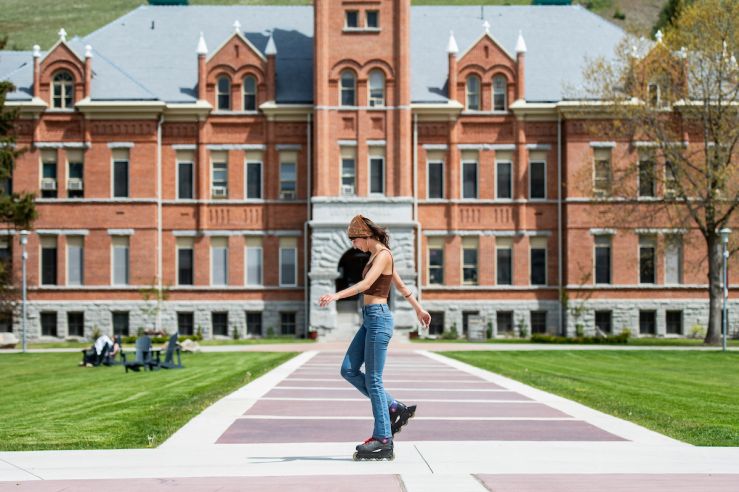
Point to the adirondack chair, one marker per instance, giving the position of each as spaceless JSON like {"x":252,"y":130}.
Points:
{"x":91,"y":358}
{"x":172,"y":348}
{"x":143,"y":355}
{"x":117,"y":359}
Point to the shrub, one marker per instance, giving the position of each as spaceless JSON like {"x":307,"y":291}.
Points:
{"x":697,"y":331}
{"x":618,"y":14}
{"x":579,"y":330}
{"x":621,"y":338}
{"x":450,"y":334}
{"x":490,"y":329}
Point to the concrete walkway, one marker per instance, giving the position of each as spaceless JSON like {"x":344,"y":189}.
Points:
{"x":297,"y":426}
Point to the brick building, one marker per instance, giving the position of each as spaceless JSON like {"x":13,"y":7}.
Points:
{"x":219,"y":153}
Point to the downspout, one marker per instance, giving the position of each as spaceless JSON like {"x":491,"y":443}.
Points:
{"x":159,"y":221}
{"x":415,"y":206}
{"x":560,"y":289}
{"x":306,"y":255}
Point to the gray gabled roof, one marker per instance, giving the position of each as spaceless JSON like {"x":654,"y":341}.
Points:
{"x":149,"y":53}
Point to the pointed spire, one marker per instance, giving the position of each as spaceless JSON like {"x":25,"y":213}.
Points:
{"x":684,"y":53}
{"x":88,"y":51}
{"x":202,"y":47}
{"x":520,"y":43}
{"x":658,"y":36}
{"x":486,"y":26}
{"x":271,"y":49}
{"x":237,"y":26}
{"x":62,"y":34}
{"x":36,"y":51}
{"x":452,"y":46}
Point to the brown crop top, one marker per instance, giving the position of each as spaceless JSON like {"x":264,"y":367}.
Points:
{"x":381,"y":287}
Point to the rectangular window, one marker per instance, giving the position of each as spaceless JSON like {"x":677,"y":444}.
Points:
{"x":287,"y":323}
{"x":538,"y":180}
{"x":673,"y":259}
{"x":254,"y":261}
{"x":351,"y":19}
{"x":437,"y":323}
{"x":185,"y":261}
{"x":603,"y":321}
{"x":348,"y":171}
{"x":504,"y":321}
{"x":6,"y":183}
{"x":674,"y":321}
{"x":288,"y":176}
{"x":671,"y":185}
{"x":48,"y":174}
{"x":6,"y":321}
{"x":647,"y":262}
{"x":602,"y":260}
{"x":75,"y":260}
{"x":504,"y":180}
{"x":120,"y":173}
{"x":504,"y":261}
{"x":48,"y":260}
{"x":377,"y":173}
{"x":120,"y":323}
{"x":185,"y":324}
{"x":602,"y":173}
{"x":373,"y":19}
{"x":6,"y":261}
{"x":436,"y":179}
{"x":253,"y":180}
{"x":647,"y":322}
{"x":436,"y":261}
{"x":466,"y":315}
{"x":538,"y":322}
{"x":219,"y":261}
{"x":120,"y":260}
{"x":48,"y":324}
{"x":219,"y":175}
{"x":254,"y":323}
{"x":538,"y":261}
{"x":469,"y":179}
{"x":76,"y":324}
{"x":469,"y":260}
{"x":75,"y":173}
{"x":219,"y":323}
{"x":185,"y":176}
{"x":288,"y":262}
{"x":646,"y":176}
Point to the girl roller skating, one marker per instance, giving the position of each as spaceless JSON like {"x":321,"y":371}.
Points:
{"x":369,"y":346}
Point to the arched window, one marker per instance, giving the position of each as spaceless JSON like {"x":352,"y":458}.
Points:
{"x":223,"y":93}
{"x":376,"y":88}
{"x":473,"y":93}
{"x":500,"y":86}
{"x":63,"y":90}
{"x":348,"y":88}
{"x":249,"y":88}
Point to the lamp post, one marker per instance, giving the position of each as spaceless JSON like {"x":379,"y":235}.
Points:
{"x":24,"y":258}
{"x":724,"y":321}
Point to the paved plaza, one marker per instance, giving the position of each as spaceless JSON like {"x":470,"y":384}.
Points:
{"x":295,"y":428}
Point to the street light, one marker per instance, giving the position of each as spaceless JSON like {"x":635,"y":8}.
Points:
{"x":724,"y":243}
{"x":24,"y":257}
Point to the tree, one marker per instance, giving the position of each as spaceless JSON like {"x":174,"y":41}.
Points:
{"x":669,"y":14}
{"x":680,"y":96}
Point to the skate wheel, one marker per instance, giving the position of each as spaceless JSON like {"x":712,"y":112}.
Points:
{"x":355,"y":456}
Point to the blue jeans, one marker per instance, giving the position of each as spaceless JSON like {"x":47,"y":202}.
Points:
{"x":370,"y":347}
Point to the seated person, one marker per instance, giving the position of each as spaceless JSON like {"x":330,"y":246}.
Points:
{"x":94,"y":356}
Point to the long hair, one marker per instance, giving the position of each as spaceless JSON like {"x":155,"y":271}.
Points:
{"x":378,"y":232}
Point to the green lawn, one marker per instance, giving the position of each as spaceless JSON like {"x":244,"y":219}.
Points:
{"x":690,"y":396}
{"x":49,"y":402}
{"x":642,"y":342}
{"x":242,"y":341}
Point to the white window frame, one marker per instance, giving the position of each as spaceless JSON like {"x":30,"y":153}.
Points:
{"x":646,"y":240}
{"x":435,"y":243}
{"x":596,"y":245}
{"x":646,"y":158}
{"x":500,"y":76}
{"x":666,"y":190}
{"x":46,"y":240}
{"x":74,"y":157}
{"x":215,"y":158}
{"x":347,"y":153}
{"x":180,"y":160}
{"x":374,"y":101}
{"x":676,"y":240}
{"x":375,"y":154}
{"x":539,"y":243}
{"x":215,"y":242}
{"x":508,"y":245}
{"x":81,"y":240}
{"x":113,"y":247}
{"x":219,"y":93}
{"x":295,"y":269}
{"x":476,"y":162}
{"x":65,"y":87}
{"x":113,"y":160}
{"x":288,"y":158}
{"x":183,"y":243}
{"x":428,"y":178}
{"x":342,"y":88}
{"x":467,"y":93}
{"x":253,"y":245}
{"x":500,"y":161}
{"x":244,"y":93}
{"x":598,"y":154}
{"x":470,"y":243}
{"x":533,"y":161}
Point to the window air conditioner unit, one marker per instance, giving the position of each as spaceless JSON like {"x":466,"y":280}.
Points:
{"x":347,"y":189}
{"x":220,"y":192}
{"x":287,"y":195}
{"x":48,"y":184}
{"x":74,"y":184}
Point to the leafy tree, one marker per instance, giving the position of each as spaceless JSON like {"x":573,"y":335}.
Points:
{"x":669,"y":14}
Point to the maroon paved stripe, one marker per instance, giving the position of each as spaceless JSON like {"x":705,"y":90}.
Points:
{"x":427,"y":409}
{"x":257,"y":430}
{"x":407,"y":394}
{"x":324,"y":483}
{"x":389,"y":384}
{"x":612,"y":483}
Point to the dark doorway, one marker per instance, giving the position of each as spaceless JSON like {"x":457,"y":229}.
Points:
{"x":350,"y":269}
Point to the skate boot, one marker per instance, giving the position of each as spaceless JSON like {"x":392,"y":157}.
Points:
{"x":400,"y":416}
{"x":375,"y":449}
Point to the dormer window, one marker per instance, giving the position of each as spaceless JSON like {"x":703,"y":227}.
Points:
{"x":62,"y":90}
{"x":473,"y":93}
{"x":373,"y":19}
{"x":499,"y":93}
{"x":376,"y":88}
{"x":657,"y":94}
{"x":348,"y":88}
{"x":223,"y":93}
{"x":249,"y":87}
{"x":352,"y":19}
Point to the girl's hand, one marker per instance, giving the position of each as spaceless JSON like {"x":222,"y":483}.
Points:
{"x":327,"y":299}
{"x":424,"y":317}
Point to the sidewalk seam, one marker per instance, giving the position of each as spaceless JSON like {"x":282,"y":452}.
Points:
{"x":21,"y":469}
